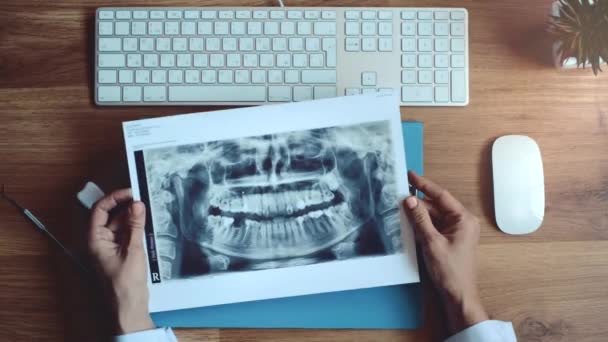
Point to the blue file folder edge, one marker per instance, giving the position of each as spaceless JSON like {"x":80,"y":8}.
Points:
{"x":390,"y":307}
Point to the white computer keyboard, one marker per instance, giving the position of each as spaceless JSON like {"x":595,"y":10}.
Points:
{"x":255,"y":55}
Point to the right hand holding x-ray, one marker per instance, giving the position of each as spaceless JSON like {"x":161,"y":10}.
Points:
{"x":448,"y":235}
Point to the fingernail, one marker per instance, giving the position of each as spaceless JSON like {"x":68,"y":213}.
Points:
{"x":137,"y":208}
{"x":411,"y":202}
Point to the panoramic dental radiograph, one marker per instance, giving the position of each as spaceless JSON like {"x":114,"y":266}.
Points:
{"x":271,"y":201}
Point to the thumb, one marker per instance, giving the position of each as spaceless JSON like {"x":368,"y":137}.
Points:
{"x":425,"y":230}
{"x":136,"y":220}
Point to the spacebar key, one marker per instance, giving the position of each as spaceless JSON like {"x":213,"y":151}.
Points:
{"x":217,"y":93}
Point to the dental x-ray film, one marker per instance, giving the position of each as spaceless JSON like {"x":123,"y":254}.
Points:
{"x":272,"y":201}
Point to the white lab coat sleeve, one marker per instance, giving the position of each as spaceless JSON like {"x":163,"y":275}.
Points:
{"x":153,"y":335}
{"x":486,"y":331}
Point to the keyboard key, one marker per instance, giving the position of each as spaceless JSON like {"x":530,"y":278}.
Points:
{"x":260,"y":14}
{"x":262,"y":44}
{"x":196,"y":44}
{"x":237,"y":28}
{"x":296,"y":44}
{"x":442,"y":15}
{"x":369,"y":91}
{"x":106,"y":76}
{"x":300,"y":60}
{"x":184,"y":60}
{"x":155,"y":94}
{"x":155,"y":28}
{"x":328,"y":15}
{"x":121,"y":28}
{"x":387,"y":91}
{"x":408,"y":29}
{"x":233,"y":60}
{"x":408,"y":76}
{"x":234,"y":93}
{"x":312,"y":14}
{"x":457,"y":15}
{"x":385,"y":44}
{"x":325,"y":28}
{"x":159,"y":76}
{"x":111,"y":60}
{"x":322,"y":92}
{"x":188,"y":27}
{"x":266,"y":60}
{"x":457,"y":61}
{"x":254,"y":28}
{"x":425,"y":61}
{"x":385,"y":15}
{"x":385,"y":28}
{"x":174,"y":14}
{"x":229,"y":44}
{"x":442,"y":61}
{"x":134,"y":60}
{"x":417,"y":94}
{"x":205,"y":28}
{"x":352,"y":15}
{"x":163,"y":44}
{"x":302,"y":93}
{"x":352,"y":44}
{"x":368,"y":28}
{"x":208,"y":14}
{"x":368,"y":78}
{"x":212,"y":44}
{"x":105,"y":28}
{"x":442,"y":76}
{"x":442,"y":45}
{"x":458,"y":45}
{"x":141,"y":14}
{"x":458,"y":86}
{"x":408,"y":15}
{"x":442,"y":29}
{"x":351,"y":91}
{"x":288,"y":28}
{"x":271,"y":27}
{"x":258,"y":76}
{"x":319,"y":76}
{"x":167,"y":60}
{"x":457,"y":29}
{"x":408,"y":44}
{"x":275,"y":76}
{"x":138,"y":28}
{"x":368,"y":44}
{"x":425,"y":76}
{"x":142,"y":76}
{"x":157,"y":14}
{"x":329,"y":45}
{"x":125,"y":76}
{"x":191,"y":14}
{"x":131,"y":94}
{"x":250,"y":60}
{"x":180,"y":44}
{"x":408,"y":61}
{"x":225,"y":76}
{"x":216,"y":60}
{"x":279,"y":44}
{"x":109,"y":44}
{"x":106,"y":15}
{"x":243,"y":14}
{"x":425,"y":15}
{"x":108,"y":93}
{"x":151,"y":60}
{"x":316,"y":60}
{"x":292,"y":76}
{"x":221,"y":27}
{"x":313,"y":44}
{"x":225,"y":14}
{"x":241,"y":76}
{"x":171,"y":27}
{"x":176,"y":76}
{"x":304,"y":28}
{"x":351,"y":28}
{"x":295,"y":14}
{"x":442,"y":94}
{"x":208,"y":76}
{"x":368,"y":15}
{"x":425,"y":45}
{"x":246,"y":44}
{"x":279,"y":93}
{"x":277,"y":14}
{"x":425,"y":29}
{"x":200,"y":60}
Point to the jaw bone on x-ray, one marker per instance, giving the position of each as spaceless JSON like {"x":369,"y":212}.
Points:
{"x":272,"y":201}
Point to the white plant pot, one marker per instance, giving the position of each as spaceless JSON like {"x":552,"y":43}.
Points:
{"x":570,"y":62}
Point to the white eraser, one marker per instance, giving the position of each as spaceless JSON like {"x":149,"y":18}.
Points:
{"x":90,"y":194}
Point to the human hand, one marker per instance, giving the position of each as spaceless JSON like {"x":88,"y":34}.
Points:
{"x":448,"y":235}
{"x":116,"y":243}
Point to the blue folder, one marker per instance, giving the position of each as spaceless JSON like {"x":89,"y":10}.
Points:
{"x":390,"y":307}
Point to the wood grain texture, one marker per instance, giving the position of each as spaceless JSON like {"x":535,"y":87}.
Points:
{"x":551,"y":284}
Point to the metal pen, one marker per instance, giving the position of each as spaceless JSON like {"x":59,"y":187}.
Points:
{"x":40,"y":227}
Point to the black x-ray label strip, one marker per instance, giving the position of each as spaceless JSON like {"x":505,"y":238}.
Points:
{"x":149,"y":229}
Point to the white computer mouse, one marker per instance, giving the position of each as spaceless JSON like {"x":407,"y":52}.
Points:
{"x":519,"y":184}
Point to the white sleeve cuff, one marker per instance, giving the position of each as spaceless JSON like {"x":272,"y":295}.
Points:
{"x":486,"y":331}
{"x":154,"y":335}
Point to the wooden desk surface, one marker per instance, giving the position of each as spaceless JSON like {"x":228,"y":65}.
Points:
{"x":552,"y":284}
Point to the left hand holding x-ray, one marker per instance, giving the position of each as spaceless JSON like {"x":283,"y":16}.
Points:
{"x":116,"y":245}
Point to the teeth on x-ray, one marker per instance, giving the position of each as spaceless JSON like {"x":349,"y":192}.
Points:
{"x":275,"y":200}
